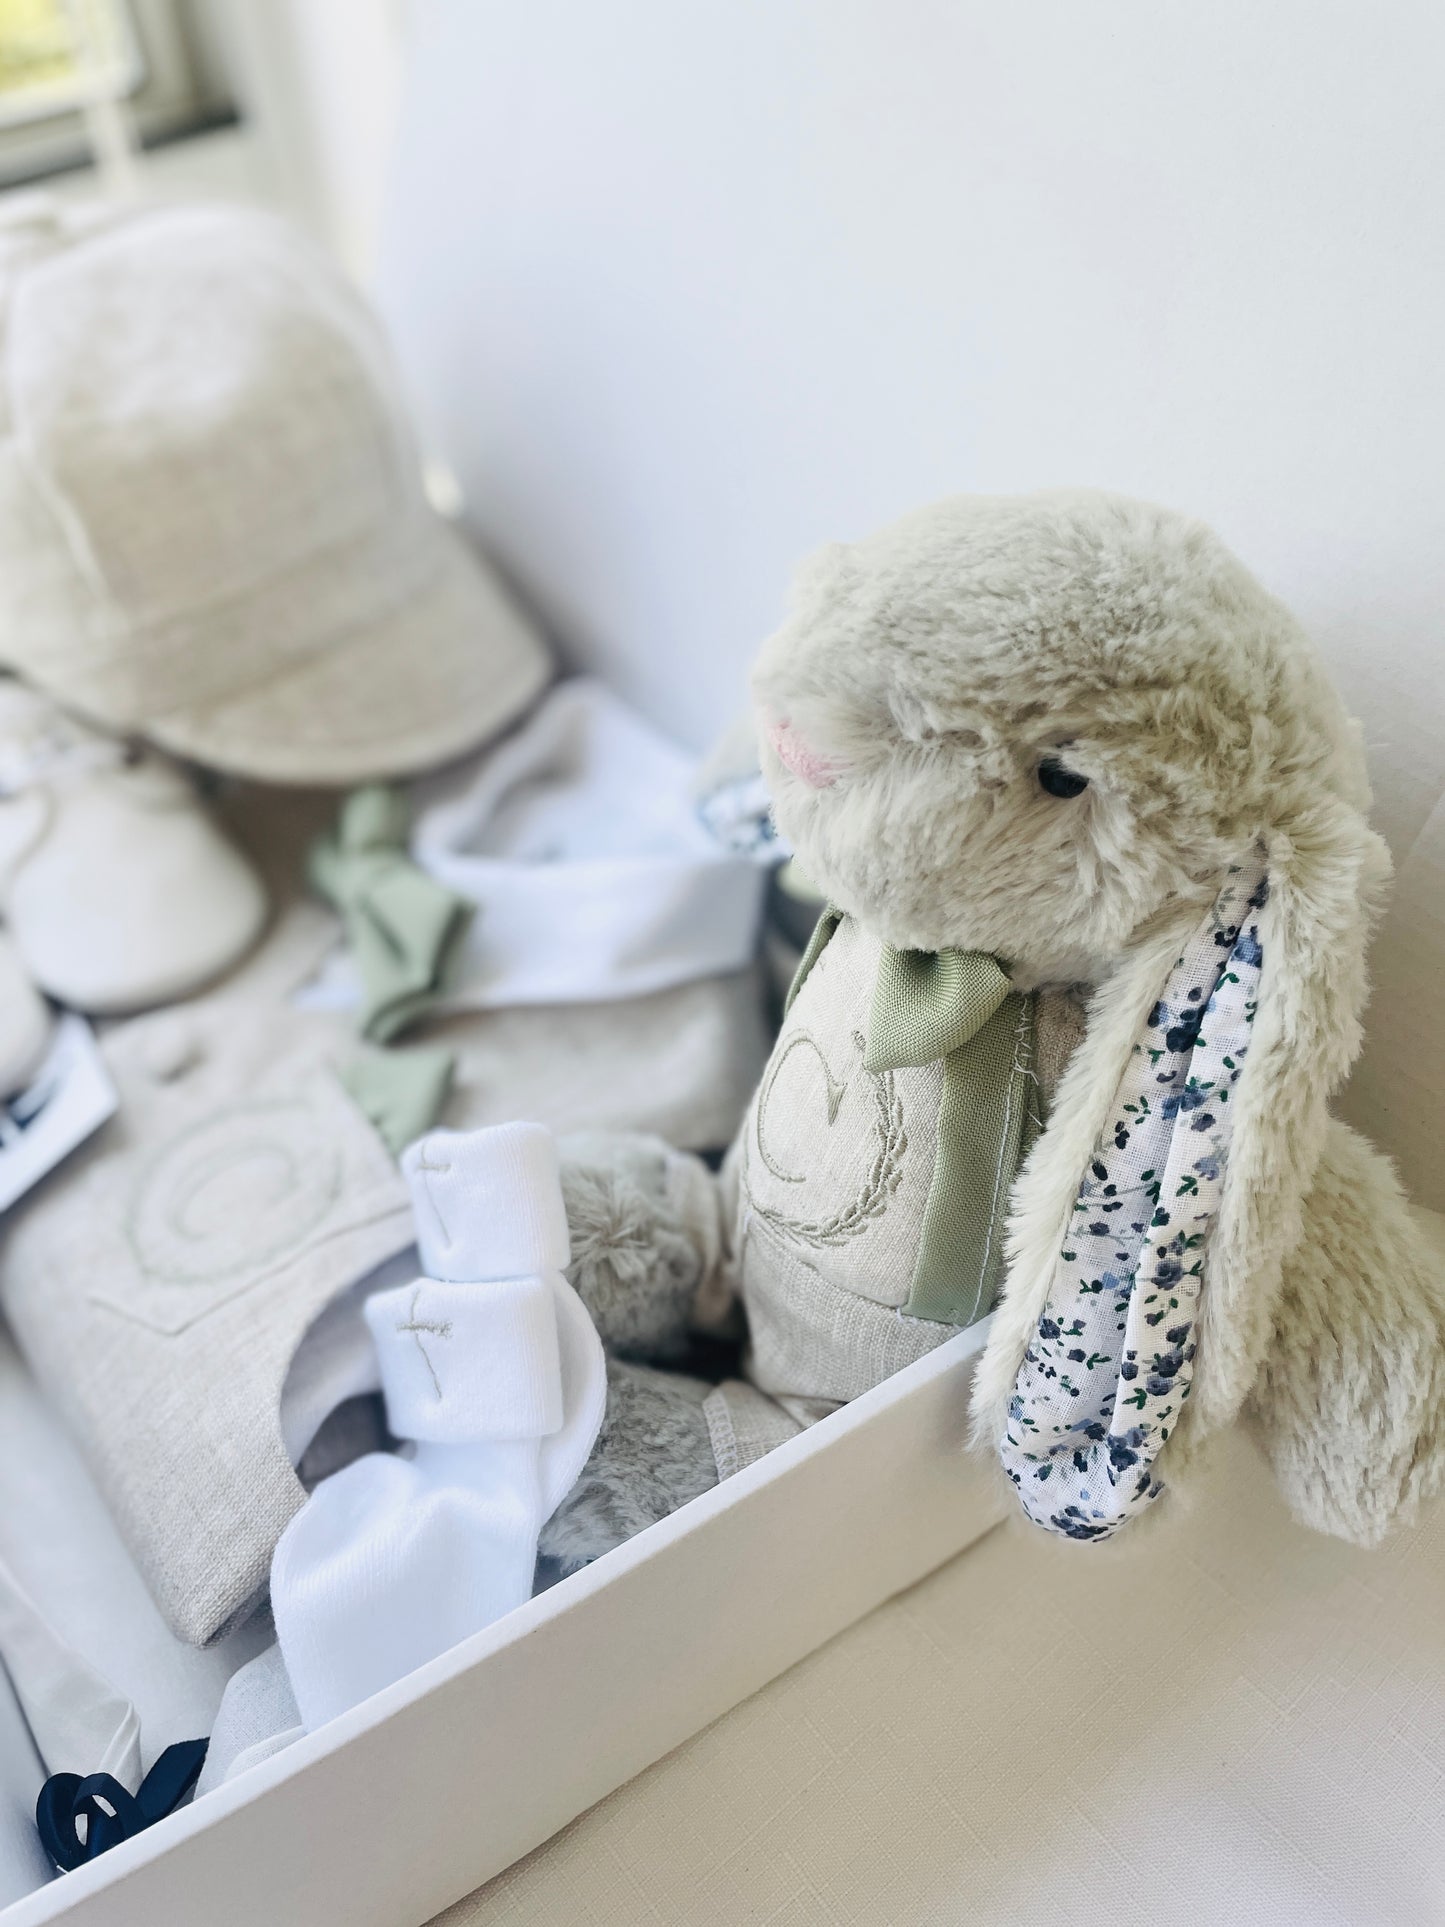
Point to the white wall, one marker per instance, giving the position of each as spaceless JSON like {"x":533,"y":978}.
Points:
{"x":686,"y":286}
{"x":318,"y":81}
{"x":317,"y":84}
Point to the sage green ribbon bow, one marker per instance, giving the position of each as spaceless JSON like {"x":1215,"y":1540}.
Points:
{"x":957,"y":1006}
{"x":401,"y":1093}
{"x":404,"y":927}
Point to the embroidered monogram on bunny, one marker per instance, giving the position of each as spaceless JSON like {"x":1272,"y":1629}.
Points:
{"x":882,"y":1173}
{"x":834,"y":1088}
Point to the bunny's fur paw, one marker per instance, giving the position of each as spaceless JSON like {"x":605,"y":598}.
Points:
{"x":652,"y":1455}
{"x":643,"y":1223}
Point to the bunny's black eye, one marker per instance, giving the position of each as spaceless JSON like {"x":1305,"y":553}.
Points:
{"x":1055,"y":780}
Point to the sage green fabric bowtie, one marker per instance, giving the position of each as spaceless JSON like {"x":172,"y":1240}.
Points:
{"x":959,"y":1007}
{"x":404,"y":927}
{"x":928,"y":1004}
{"x":400,"y":1092}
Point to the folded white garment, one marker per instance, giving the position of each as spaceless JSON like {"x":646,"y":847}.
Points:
{"x":23,"y":1863}
{"x":336,"y":1359}
{"x":24,"y":1021}
{"x":492,"y":1366}
{"x":105,"y":1682}
{"x":578,"y":840}
{"x":78,"y":1722}
{"x":257,"y":1717}
{"x":118,"y":889}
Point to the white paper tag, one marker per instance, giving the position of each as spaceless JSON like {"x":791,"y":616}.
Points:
{"x":70,"y":1096}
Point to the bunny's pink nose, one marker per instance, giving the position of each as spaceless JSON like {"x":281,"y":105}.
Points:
{"x":793,"y":753}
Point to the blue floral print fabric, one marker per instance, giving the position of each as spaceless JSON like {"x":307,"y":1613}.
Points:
{"x":1109,"y":1367}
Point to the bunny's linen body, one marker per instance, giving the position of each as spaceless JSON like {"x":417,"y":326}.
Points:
{"x":814,"y":1226}
{"x":831,"y":1189}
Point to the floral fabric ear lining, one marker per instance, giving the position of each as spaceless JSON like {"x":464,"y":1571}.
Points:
{"x":1109,"y":1367}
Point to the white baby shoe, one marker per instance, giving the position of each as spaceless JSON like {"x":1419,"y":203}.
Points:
{"x":116,"y":887}
{"x":24,"y":1023}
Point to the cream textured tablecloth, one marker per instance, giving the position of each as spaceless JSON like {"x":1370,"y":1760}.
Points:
{"x":1227,"y":1721}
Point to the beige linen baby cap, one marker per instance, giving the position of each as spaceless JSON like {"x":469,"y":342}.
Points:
{"x":212,"y":525}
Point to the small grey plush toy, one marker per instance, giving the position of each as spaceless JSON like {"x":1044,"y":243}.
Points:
{"x":1019,"y":744}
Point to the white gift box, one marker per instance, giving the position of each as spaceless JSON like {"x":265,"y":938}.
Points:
{"x":414,"y":1798}
{"x":646,"y":505}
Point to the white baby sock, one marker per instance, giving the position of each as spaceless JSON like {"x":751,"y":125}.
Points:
{"x":492,"y":1365}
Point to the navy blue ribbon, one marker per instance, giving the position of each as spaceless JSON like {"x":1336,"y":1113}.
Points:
{"x":112,"y":1813}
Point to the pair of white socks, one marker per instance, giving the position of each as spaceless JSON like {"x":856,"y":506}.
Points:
{"x":491,"y":1364}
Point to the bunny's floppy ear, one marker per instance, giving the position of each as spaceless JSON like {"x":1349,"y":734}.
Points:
{"x":1048,"y":1186}
{"x":1223,"y":1227}
{"x":1326,"y":871}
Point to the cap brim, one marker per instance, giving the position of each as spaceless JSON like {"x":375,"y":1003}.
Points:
{"x":423,"y":684}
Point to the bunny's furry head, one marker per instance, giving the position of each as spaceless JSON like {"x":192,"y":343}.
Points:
{"x":1029,"y":724}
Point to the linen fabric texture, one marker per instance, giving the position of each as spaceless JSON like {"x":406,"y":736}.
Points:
{"x":161,"y":1284}
{"x":213,"y":530}
{"x":868,"y":1186}
{"x":257,"y":1717}
{"x":103,"y":1683}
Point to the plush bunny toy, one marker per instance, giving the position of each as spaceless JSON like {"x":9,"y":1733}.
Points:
{"x":1091,"y":823}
